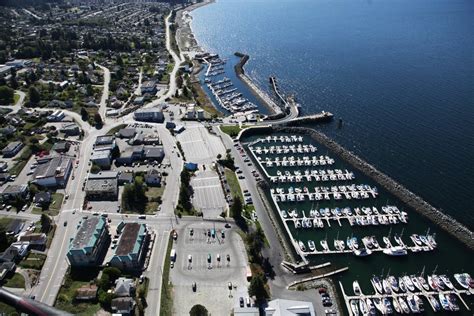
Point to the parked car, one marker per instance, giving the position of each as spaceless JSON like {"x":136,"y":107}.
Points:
{"x":241,"y":301}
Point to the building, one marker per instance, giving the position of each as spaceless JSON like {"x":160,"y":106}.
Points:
{"x":70,"y":129}
{"x":102,"y":186}
{"x":13,"y":191}
{"x":54,"y":173}
{"x":149,"y":115}
{"x":131,"y":247}
{"x":102,"y":158}
{"x":139,"y":101}
{"x":127,"y":133}
{"x":42,"y":198}
{"x":5,"y":70}
{"x":280,"y":307}
{"x":61,"y":147}
{"x":190,"y":112}
{"x":153,"y":153}
{"x":153,"y":177}
{"x":123,"y":305}
{"x":149,"y":87}
{"x":104,"y":143}
{"x":86,"y":292}
{"x":90,"y":242}
{"x":124,"y":287}
{"x":125,"y":178}
{"x":37,"y":240}
{"x":12,"y":149}
{"x":15,"y":227}
{"x":56,"y":116}
{"x":201,"y":115}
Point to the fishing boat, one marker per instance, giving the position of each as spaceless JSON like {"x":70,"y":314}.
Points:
{"x":403,"y":304}
{"x":356,"y":288}
{"x":311,"y":245}
{"x":354,"y":308}
{"x":463,"y":279}
{"x":386,"y":286}
{"x":434,"y":303}
{"x":377,"y":284}
{"x":302,"y":246}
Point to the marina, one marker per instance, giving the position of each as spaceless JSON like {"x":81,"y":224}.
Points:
{"x":344,"y":214}
{"x":409,"y":294}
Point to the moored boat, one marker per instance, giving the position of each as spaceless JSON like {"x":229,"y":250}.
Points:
{"x":356,"y":288}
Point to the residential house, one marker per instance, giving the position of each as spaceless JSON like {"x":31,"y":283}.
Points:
{"x":153,"y":177}
{"x":123,"y":305}
{"x":13,"y":191}
{"x":102,"y":158}
{"x":70,"y":129}
{"x":42,"y":198}
{"x":86,"y":293}
{"x":149,"y":115}
{"x":124,"y":287}
{"x":61,"y":147}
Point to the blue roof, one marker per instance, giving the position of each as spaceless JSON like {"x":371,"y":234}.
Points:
{"x":191,"y":166}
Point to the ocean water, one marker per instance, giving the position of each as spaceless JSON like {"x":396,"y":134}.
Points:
{"x":399,"y":73}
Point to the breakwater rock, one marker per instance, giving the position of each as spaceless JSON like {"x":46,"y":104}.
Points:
{"x":444,"y":221}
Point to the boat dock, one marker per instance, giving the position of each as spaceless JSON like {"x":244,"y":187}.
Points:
{"x":354,"y":220}
{"x":316,"y":277}
{"x":277,"y":92}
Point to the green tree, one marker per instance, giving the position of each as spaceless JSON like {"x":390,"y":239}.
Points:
{"x":84,"y":114}
{"x":114,"y":273}
{"x":98,"y":119}
{"x":257,"y":287}
{"x":34,"y":95}
{"x":134,"y":197}
{"x":6,"y":95}
{"x":198,"y":310}
{"x":95,"y":169}
{"x":5,"y":240}
{"x":45,"y":221}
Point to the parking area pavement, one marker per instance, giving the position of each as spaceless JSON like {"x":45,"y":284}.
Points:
{"x":208,"y":194}
{"x":199,"y":145}
{"x":210,"y":259}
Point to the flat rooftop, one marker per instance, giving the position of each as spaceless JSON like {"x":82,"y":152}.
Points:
{"x":86,"y":232}
{"x":128,"y":239}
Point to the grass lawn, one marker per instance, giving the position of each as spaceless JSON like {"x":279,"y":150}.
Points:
{"x":203,"y":101}
{"x":54,"y":207}
{"x":166,"y":307}
{"x":16,"y":169}
{"x":16,"y":281}
{"x":33,"y":261}
{"x":153,"y":194}
{"x":8,"y":310}
{"x":65,"y":300}
{"x":233,"y":184}
{"x":16,"y":97}
{"x":5,"y":221}
{"x":232,"y":130}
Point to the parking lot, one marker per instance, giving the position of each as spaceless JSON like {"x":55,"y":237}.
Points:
{"x":208,"y":194}
{"x":199,"y":146}
{"x":211,"y":256}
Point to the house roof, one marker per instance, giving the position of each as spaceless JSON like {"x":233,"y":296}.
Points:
{"x":56,"y":167}
{"x":42,"y":197}
{"x":123,"y":286}
{"x":88,"y":232}
{"x":130,"y":239}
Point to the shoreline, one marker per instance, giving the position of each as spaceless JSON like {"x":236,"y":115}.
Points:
{"x":418,"y":204}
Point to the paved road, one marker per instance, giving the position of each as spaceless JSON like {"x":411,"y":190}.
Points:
{"x":105,"y":92}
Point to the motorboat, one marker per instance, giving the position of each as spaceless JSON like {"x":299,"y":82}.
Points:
{"x":408,"y":283}
{"x":377,"y":284}
{"x":284,"y":214}
{"x":444,"y":302}
{"x":388,"y":305}
{"x":356,"y":288}
{"x":379,"y":305}
{"x":386,"y":286}
{"x":393,"y":283}
{"x":463,"y":279}
{"x":452,"y":302}
{"x":434,"y":303}
{"x":301,"y":245}
{"x":364,"y":310}
{"x":311,"y":245}
{"x":423,"y":283}
{"x":447,"y":281}
{"x":419,"y":303}
{"x":371,"y":307}
{"x":395,"y":251}
{"x":403,"y":305}
{"x":324,"y":244}
{"x":412,"y":304}
{"x":415,"y":282}
{"x":396,"y":305}
{"x":354,"y":307}
{"x":363,"y":252}
{"x":402,"y":285}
